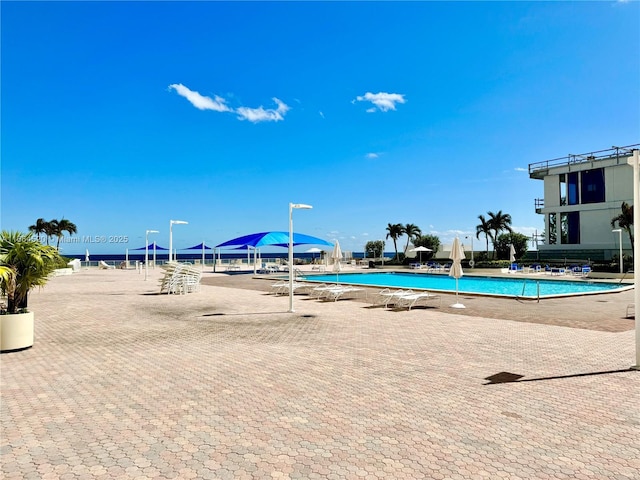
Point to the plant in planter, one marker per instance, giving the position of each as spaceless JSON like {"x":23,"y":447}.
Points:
{"x":24,"y":264}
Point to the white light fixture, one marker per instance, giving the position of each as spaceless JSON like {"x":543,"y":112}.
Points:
{"x":146,"y":251}
{"x":472,"y":262}
{"x":291,"y":272}
{"x":171,"y":223}
{"x":619,"y":232}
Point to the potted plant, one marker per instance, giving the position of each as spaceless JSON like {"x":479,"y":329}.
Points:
{"x":24,"y":263}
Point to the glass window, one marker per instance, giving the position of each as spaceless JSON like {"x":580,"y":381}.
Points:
{"x":553,"y":232}
{"x":593,"y":186}
{"x":563,"y":189}
{"x":570,"y":228}
{"x":572,"y":188}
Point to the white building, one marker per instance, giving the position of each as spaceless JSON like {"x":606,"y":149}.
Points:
{"x":582,"y":194}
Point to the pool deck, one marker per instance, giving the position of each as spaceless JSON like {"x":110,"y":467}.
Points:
{"x":225,"y":384}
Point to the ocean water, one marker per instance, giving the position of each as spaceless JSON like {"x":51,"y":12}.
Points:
{"x":190,"y":256}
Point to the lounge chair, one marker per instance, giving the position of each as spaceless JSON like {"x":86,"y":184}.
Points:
{"x":388,"y":297}
{"x":339,"y":292}
{"x":180,"y":278}
{"x":631,"y":311}
{"x":412,"y":300}
{"x":105,"y":266}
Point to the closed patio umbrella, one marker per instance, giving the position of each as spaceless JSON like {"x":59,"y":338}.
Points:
{"x":336,"y":256}
{"x":512,"y":253}
{"x":456,"y":256}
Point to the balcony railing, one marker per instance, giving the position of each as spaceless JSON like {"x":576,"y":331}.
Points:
{"x":613,"y":152}
{"x":539,"y":204}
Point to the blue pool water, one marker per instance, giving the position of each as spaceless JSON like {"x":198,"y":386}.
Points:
{"x":511,"y":287}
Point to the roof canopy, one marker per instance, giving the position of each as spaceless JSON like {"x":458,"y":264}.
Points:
{"x":200,"y":246}
{"x":151,"y":247}
{"x":278,"y":239}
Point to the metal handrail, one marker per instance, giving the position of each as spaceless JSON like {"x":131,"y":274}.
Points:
{"x":584,"y":157}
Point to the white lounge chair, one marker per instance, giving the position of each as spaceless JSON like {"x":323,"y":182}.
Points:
{"x":412,"y":300}
{"x":105,"y":266}
{"x":339,"y":292}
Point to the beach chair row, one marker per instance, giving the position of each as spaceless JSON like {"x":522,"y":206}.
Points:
{"x":180,"y":278}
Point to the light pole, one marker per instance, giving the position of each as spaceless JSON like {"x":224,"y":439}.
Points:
{"x":472,"y":262}
{"x":171,"y":223}
{"x":619,"y":232}
{"x":635,"y":163}
{"x":146,"y":252}
{"x":291,"y":207}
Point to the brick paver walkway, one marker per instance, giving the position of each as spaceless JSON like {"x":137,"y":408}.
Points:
{"x":125,"y":383}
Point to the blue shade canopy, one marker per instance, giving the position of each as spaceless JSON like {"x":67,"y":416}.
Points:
{"x":200,"y":246}
{"x":151,"y":246}
{"x":278,"y":239}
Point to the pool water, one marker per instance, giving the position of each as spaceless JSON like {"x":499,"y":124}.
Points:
{"x":511,"y":287}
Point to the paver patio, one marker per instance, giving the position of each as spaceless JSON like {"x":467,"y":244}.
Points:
{"x":125,"y":383}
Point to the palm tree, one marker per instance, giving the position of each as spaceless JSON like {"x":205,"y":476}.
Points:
{"x":65,"y":225}
{"x":24,"y":263}
{"x":51,"y":229}
{"x":498,"y":223}
{"x":625,"y":220}
{"x":412,"y":232}
{"x":484,"y":228}
{"x":39,"y":227}
{"x":395,"y":230}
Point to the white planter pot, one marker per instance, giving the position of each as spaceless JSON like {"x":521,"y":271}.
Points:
{"x":16,"y":331}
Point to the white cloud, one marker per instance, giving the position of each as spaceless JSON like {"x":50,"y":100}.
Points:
{"x":261,"y":114}
{"x":383,"y":101}
{"x":322,"y":114}
{"x":201,"y":102}
{"x":521,"y":169}
{"x":372,"y":155}
{"x":219,"y":104}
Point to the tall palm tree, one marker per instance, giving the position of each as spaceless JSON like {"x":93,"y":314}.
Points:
{"x":412,"y":232}
{"x":394,"y":231}
{"x":51,"y":229}
{"x":499,"y":222}
{"x":39,"y":227}
{"x":625,"y":220}
{"x":65,"y":225}
{"x":484,"y":228}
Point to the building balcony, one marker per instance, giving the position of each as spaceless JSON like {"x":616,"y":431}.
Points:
{"x":539,"y":203}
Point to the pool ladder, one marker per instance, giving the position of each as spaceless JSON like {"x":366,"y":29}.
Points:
{"x":524,"y":286}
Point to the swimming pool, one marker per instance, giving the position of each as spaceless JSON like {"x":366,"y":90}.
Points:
{"x":478,"y":285}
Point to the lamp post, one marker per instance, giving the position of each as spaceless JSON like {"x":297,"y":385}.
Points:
{"x":619,"y":232}
{"x":472,"y":262}
{"x":635,"y":162}
{"x":291,"y":207}
{"x":146,"y":252}
{"x":171,"y":223}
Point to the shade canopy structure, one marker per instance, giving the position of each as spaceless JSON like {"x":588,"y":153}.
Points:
{"x":421,"y":249}
{"x":277,"y":239}
{"x":200,"y":246}
{"x":456,"y":256}
{"x":151,"y":247}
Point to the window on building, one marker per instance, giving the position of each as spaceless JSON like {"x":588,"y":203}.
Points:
{"x":572,"y":189}
{"x":593,"y":186}
{"x":570,"y":228}
{"x":563,"y":189}
{"x":553,"y":232}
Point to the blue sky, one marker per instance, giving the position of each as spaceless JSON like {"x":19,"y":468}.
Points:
{"x":121,"y":116}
